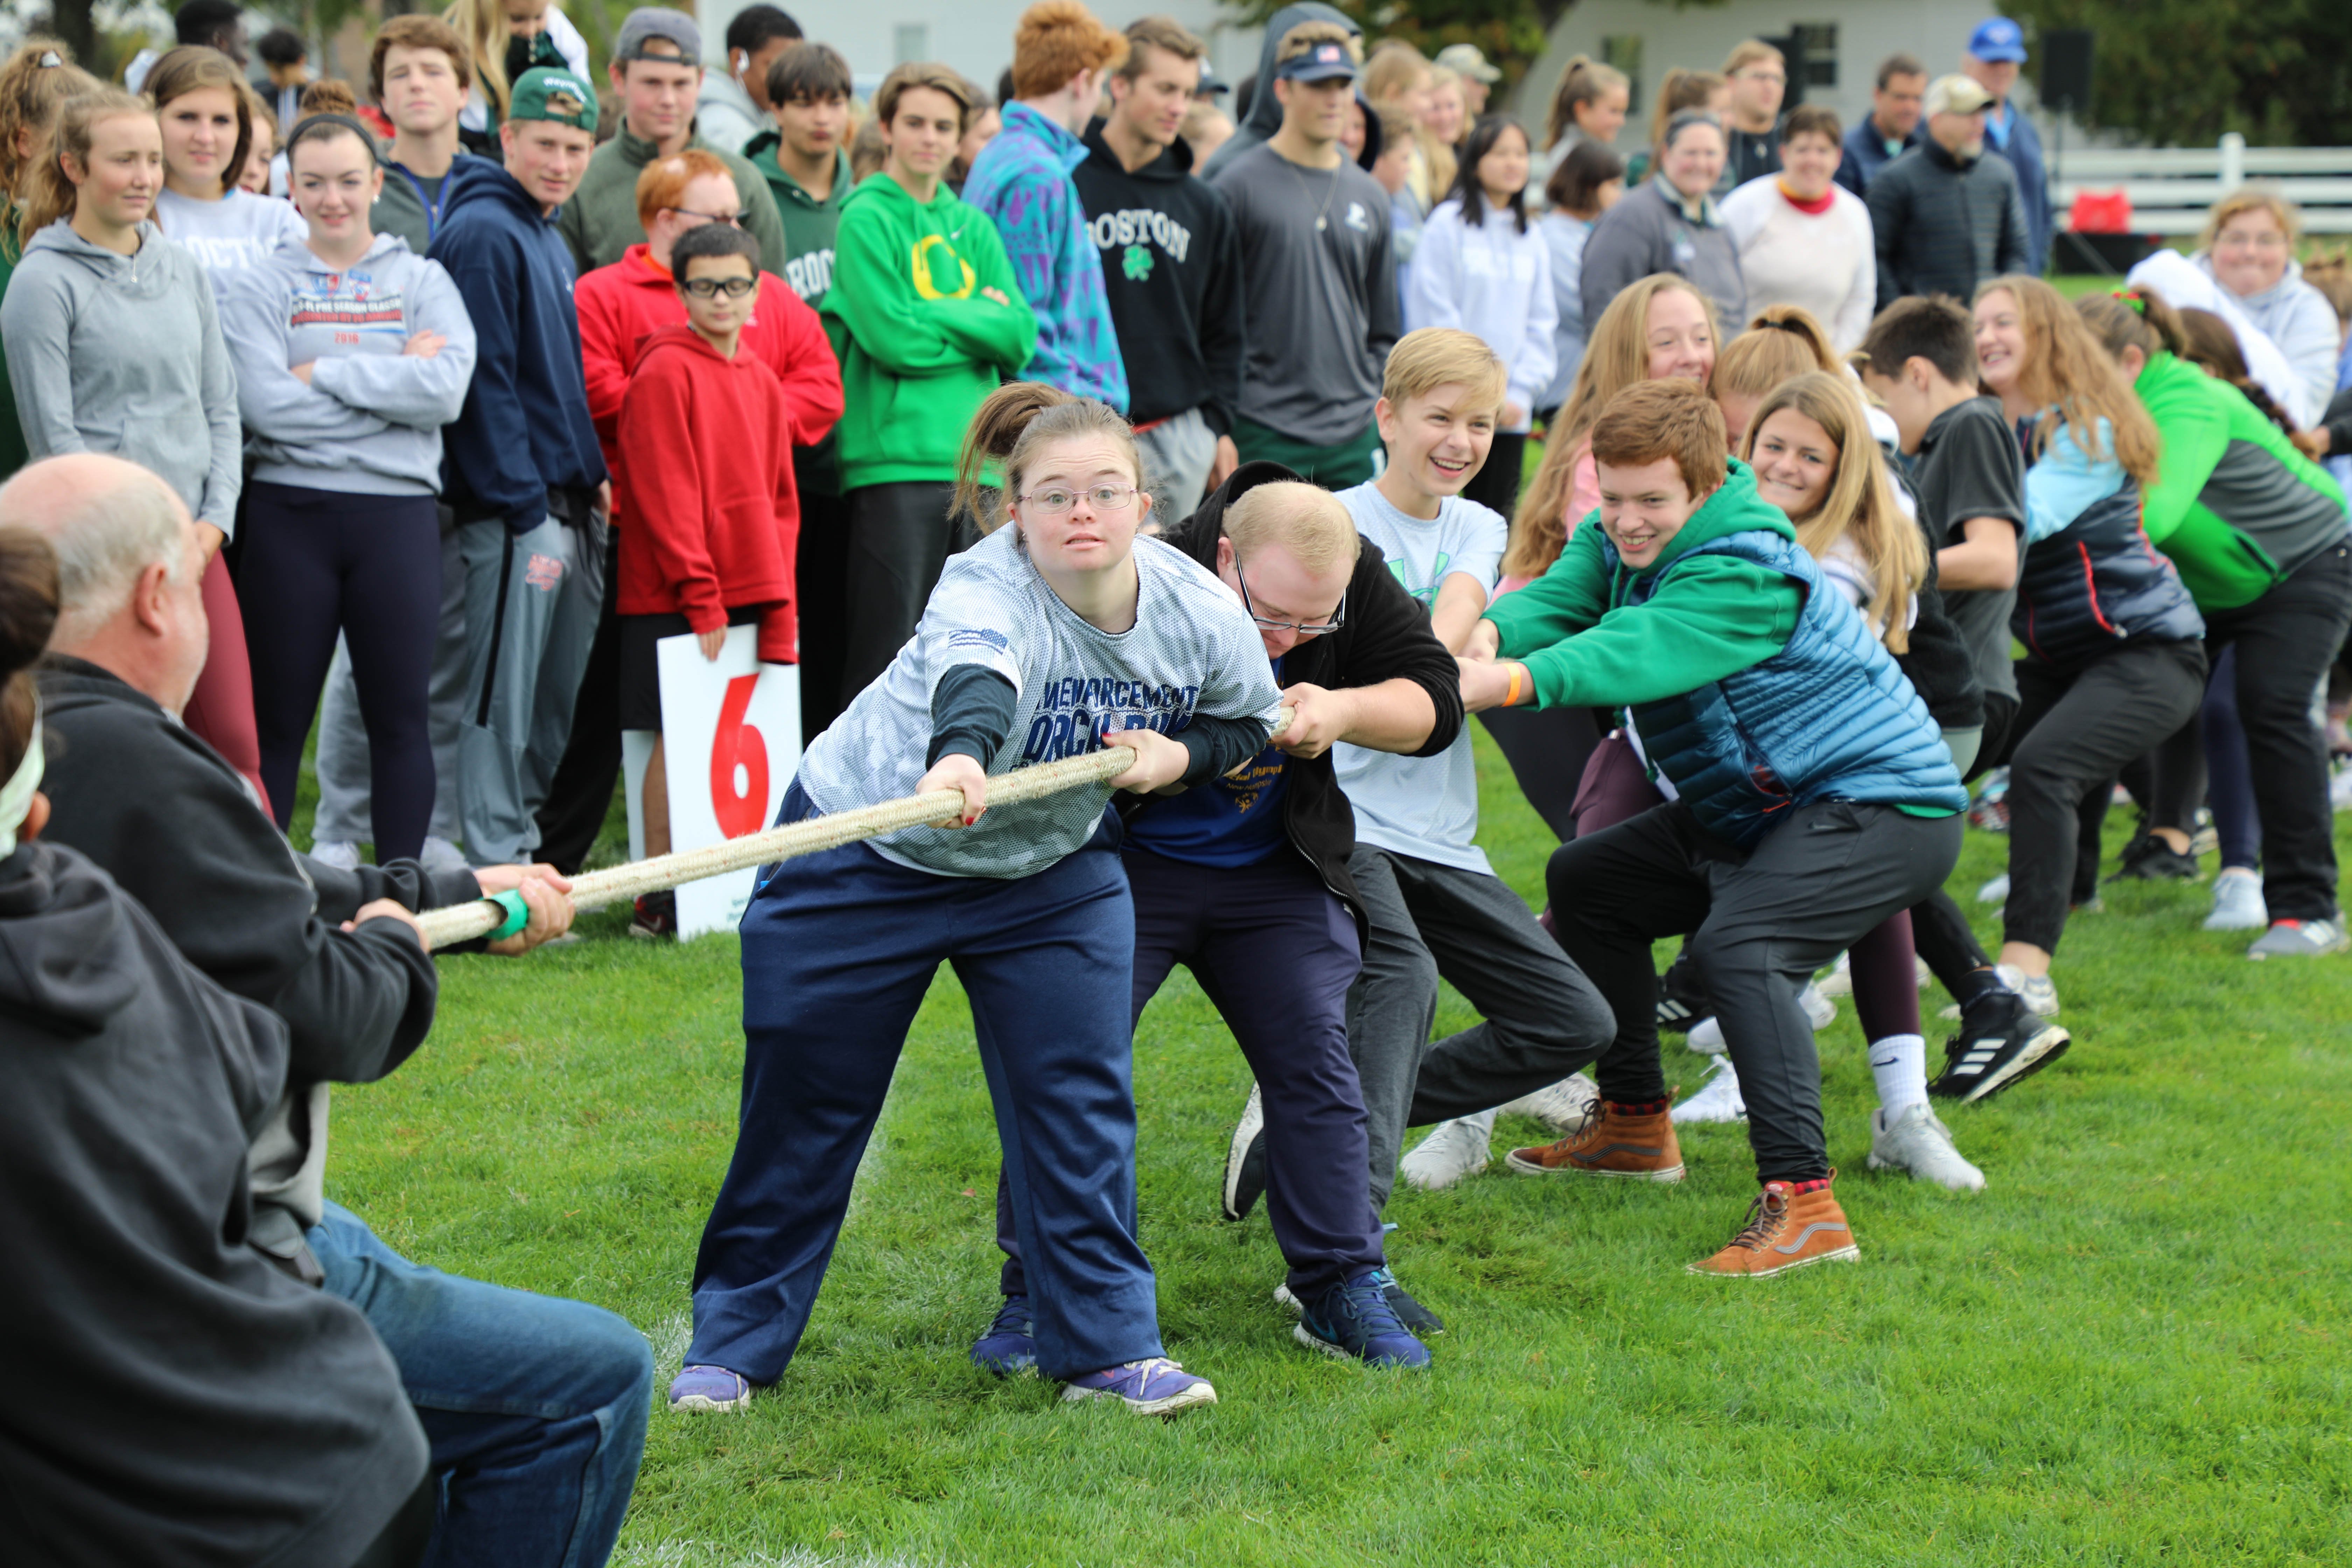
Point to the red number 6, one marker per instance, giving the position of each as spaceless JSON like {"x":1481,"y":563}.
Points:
{"x":739,"y":764}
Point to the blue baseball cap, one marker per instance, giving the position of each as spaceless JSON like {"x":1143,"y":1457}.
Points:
{"x":1323,"y":62}
{"x":1998,"y":38}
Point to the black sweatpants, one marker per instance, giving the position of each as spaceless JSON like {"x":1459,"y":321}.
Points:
{"x":2076,"y":728}
{"x":2285,"y":641}
{"x":1496,"y":483}
{"x":1760,"y":921}
{"x":821,"y":585}
{"x":899,"y":538}
{"x":319,"y":561}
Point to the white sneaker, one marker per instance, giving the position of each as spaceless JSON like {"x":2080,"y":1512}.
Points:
{"x":2041,"y":994}
{"x":2238,"y":901}
{"x":1918,"y":1143}
{"x":1820,"y":1011}
{"x":1994,"y":891}
{"x":1454,"y":1151}
{"x":1706,"y":1036}
{"x":341,"y":853}
{"x":1561,"y":1106}
{"x":2300,"y":938}
{"x":1839,"y":981}
{"x":440,"y":856}
{"x":1719,"y":1101}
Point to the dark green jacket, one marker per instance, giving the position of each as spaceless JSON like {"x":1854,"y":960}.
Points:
{"x":600,"y":222}
{"x":809,"y":224}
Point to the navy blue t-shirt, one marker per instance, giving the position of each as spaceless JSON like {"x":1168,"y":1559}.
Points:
{"x":1236,"y":820}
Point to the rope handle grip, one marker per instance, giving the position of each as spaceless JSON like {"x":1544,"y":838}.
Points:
{"x":504,"y":915}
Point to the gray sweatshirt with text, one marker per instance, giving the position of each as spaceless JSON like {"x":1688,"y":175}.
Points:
{"x":123,"y":355}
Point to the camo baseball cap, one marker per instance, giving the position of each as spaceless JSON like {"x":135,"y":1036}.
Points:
{"x":546,"y":93}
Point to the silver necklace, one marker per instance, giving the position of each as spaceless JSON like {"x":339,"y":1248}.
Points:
{"x":1305,"y":193}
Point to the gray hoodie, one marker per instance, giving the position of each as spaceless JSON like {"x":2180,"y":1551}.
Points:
{"x":123,"y":355}
{"x":1264,"y":117}
{"x":724,"y":115}
{"x":370,"y":420}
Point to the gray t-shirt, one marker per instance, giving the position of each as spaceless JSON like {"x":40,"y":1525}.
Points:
{"x":1321,"y":283}
{"x":1426,"y":807}
{"x":1192,"y":649}
{"x":1970,"y":464}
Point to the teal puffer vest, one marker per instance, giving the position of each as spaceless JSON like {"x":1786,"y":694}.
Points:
{"x":1829,"y":717}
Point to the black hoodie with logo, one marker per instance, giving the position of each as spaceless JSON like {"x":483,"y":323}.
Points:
{"x":1172,"y":267}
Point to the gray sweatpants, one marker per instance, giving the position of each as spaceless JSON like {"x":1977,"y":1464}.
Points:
{"x":1178,"y":453}
{"x":1544,"y":1019}
{"x":531,"y":615}
{"x":345,"y":809}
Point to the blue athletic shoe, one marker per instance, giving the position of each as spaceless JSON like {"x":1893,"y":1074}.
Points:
{"x":1355,"y":1320}
{"x":1154,"y":1387}
{"x":1009,"y":1348}
{"x":709,"y":1388}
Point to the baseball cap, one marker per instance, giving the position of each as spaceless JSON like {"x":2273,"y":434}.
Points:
{"x":546,"y":93}
{"x":1998,"y":38}
{"x":1468,"y":60}
{"x":1955,"y":94}
{"x":1210,"y":82}
{"x":648,"y":23}
{"x":1323,"y":62}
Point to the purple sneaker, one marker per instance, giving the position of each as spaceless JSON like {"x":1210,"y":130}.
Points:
{"x":1154,"y":1387}
{"x":709,"y":1388}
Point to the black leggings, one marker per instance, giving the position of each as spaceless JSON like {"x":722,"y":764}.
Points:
{"x":320,"y":562}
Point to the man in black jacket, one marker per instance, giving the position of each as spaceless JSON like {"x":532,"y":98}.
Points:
{"x":337,"y":955}
{"x":1245,"y":881}
{"x":1172,"y":267}
{"x":1945,"y":216}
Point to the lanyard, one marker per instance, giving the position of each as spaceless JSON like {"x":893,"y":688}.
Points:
{"x":432,"y":204}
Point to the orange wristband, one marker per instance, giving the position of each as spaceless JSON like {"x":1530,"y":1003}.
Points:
{"x":1511,"y":698}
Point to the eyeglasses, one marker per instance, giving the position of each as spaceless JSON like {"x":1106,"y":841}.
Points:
{"x":1102,"y":497}
{"x":1303,"y":628}
{"x":708,"y":288}
{"x":733,"y":220}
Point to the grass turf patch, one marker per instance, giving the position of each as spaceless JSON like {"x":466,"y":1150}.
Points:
{"x":2130,"y":1349}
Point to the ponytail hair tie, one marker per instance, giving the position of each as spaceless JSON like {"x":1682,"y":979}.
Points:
{"x":2133,"y":297}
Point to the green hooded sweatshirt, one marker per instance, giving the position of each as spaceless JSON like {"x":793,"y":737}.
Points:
{"x":921,"y":344}
{"x":2234,"y":505}
{"x":1713,"y":617}
{"x":600,"y":222}
{"x":809,"y":224}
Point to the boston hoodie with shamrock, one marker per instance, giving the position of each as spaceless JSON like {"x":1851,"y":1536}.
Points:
{"x":1756,"y":687}
{"x":1022,"y":181}
{"x":1171,"y":269}
{"x":921,"y":343}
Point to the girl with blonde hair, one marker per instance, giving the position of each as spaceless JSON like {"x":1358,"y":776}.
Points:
{"x":1782,"y":342}
{"x":35,"y":81}
{"x":1587,"y":104}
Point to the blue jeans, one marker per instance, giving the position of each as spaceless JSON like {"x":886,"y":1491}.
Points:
{"x":535,"y":1406}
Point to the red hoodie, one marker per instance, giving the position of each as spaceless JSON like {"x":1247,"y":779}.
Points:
{"x":620,"y":304}
{"x":713,"y":519}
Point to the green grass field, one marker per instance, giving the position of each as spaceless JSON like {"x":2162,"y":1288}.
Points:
{"x":2131,"y":1349}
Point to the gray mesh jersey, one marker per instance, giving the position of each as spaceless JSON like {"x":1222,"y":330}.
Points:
{"x":1192,"y":649}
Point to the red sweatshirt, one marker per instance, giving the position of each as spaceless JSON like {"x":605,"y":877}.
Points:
{"x":620,"y":304}
{"x":713,"y":519}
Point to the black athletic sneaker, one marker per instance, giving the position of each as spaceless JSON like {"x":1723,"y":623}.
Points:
{"x":2000,"y":1041}
{"x":2151,"y":859}
{"x":1415,"y":1316}
{"x":1245,"y":1175}
{"x":1681,"y":1000}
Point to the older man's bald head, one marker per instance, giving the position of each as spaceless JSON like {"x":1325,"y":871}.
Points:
{"x":108,"y":520}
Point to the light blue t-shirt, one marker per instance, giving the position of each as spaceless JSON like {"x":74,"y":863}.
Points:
{"x":1426,"y":807}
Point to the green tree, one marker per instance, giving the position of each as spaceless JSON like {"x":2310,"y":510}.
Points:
{"x":1510,"y":32}
{"x":2181,"y":72}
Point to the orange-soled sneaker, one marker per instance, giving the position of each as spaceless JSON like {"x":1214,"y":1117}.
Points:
{"x":1789,"y":1225}
{"x":1633,"y":1141}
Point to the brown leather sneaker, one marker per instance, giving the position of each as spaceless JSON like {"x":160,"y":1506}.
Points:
{"x":1613,"y":1141}
{"x":1785,"y":1230}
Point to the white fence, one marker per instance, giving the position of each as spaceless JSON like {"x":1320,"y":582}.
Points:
{"x":2172,"y":187}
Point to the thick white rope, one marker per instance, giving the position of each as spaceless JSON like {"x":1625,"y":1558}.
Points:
{"x":936,"y":809}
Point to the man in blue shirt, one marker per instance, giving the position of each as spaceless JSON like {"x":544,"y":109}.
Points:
{"x":1996,"y":52}
{"x":1890,"y":128}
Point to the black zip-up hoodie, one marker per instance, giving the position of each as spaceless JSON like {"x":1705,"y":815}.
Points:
{"x":170,"y":1397}
{"x":1386,"y":634}
{"x":1171,"y":266}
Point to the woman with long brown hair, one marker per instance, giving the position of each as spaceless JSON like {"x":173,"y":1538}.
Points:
{"x":206,"y":114}
{"x":34,"y":83}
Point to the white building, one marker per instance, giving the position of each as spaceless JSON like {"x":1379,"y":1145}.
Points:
{"x":975,"y":37}
{"x":1845,"y":42}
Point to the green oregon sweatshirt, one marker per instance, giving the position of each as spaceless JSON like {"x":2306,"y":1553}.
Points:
{"x":920,"y":343}
{"x":1716,"y":617}
{"x":2234,"y":505}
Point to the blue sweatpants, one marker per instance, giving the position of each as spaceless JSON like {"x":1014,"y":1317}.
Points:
{"x":838,"y":952}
